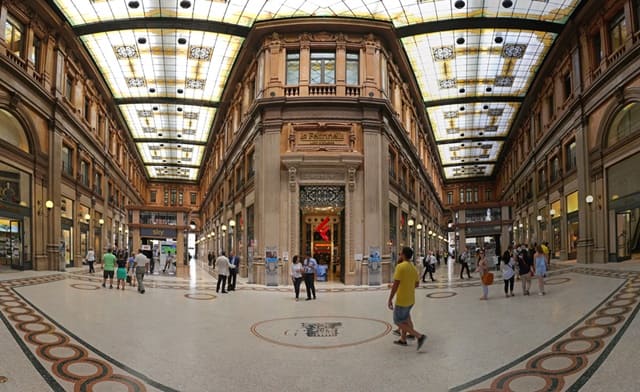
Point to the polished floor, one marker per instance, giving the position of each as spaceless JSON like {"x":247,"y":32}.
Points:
{"x":64,"y":332}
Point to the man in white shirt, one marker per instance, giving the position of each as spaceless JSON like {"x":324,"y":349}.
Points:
{"x":141,"y":262}
{"x":91,"y":258}
{"x":223,"y":265}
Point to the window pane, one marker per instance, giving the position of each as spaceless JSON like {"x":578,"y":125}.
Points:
{"x":293,"y":68}
{"x":315,"y":76}
{"x":352,"y":68}
{"x":329,"y":72}
{"x":13,"y":35}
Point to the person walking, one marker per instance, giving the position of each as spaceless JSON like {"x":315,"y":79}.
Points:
{"x":508,"y":271}
{"x":540,"y":268}
{"x":121,"y":272}
{"x":234,"y":262}
{"x":310,"y":267}
{"x":141,"y":262}
{"x":296,"y":275}
{"x":524,"y":270}
{"x":108,"y":266}
{"x":222,"y":265}
{"x":91,"y":258}
{"x":483,"y":268}
{"x":405,"y":281}
{"x":464,"y":264}
{"x":210,"y":258}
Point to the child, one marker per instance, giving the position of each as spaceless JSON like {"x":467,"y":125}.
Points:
{"x":131,"y":274}
{"x":121,"y":273}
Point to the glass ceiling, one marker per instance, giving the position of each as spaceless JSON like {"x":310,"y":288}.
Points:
{"x":472,"y":80}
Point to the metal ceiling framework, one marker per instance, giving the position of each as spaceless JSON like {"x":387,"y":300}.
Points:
{"x":167,"y":63}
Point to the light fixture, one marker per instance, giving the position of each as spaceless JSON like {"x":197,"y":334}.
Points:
{"x":589,"y":199}
{"x":120,"y":229}
{"x":520,"y":225}
{"x":552,"y":212}
{"x":87,"y":217}
{"x":539,"y":218}
{"x":101,"y":221}
{"x":232,"y":223}
{"x":192,"y":225}
{"x":419,"y":226}
{"x":430,"y":232}
{"x":48,"y":204}
{"x":224,"y":227}
{"x":410,"y":222}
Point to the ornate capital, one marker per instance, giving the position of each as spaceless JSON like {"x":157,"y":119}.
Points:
{"x":292,"y":179}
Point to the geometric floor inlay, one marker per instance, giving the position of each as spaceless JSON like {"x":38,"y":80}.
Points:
{"x":324,"y":332}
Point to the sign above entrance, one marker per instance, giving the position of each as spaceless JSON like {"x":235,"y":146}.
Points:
{"x":158,"y":233}
{"x":321,"y":196}
{"x":321,"y":136}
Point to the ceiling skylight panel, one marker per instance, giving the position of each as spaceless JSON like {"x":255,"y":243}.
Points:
{"x":480,"y":170}
{"x":467,"y":151}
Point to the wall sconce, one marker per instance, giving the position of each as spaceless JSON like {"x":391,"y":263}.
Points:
{"x":87,"y":217}
{"x":411,"y":222}
{"x":48,"y":204}
{"x":430,"y":232}
{"x":120,"y":229}
{"x":101,"y":221}
{"x":539,"y":218}
{"x":589,"y":199}
{"x":433,"y":234}
{"x":520,"y":225}
{"x":232,"y":223}
{"x":552,"y":212}
{"x":223,"y":228}
{"x":419,"y":227}
{"x":192,"y":225}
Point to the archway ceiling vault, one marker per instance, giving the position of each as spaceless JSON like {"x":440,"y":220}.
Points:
{"x":167,"y":63}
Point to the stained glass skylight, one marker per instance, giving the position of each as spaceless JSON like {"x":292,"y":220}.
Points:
{"x":472,"y":76}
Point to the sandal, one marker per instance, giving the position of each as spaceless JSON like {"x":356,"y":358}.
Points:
{"x":400,"y":342}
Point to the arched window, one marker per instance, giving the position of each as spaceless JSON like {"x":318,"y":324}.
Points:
{"x":626,"y":123}
{"x":11,"y":131}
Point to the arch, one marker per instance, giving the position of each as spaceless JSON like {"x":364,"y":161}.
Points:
{"x":12,"y":131}
{"x":628,"y":98}
{"x":625,"y":123}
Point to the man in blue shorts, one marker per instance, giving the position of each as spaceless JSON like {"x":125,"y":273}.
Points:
{"x":405,"y":281}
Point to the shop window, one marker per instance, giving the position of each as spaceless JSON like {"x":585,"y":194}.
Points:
{"x":14,"y":35}
{"x":152,"y":196}
{"x":293,"y":68}
{"x":617,"y":32}
{"x":625,"y":124}
{"x":353,"y":69}
{"x":570,"y":156}
{"x":67,"y":160}
{"x":322,"y":68}
{"x":393,"y":219}
{"x":193,"y":198}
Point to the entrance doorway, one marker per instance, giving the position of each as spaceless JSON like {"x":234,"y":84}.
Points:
{"x":323,"y":238}
{"x":10,"y":242}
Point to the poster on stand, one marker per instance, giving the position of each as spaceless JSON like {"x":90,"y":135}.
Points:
{"x":375,"y":266}
{"x":271,"y":265}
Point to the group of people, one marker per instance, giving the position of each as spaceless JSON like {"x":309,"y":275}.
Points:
{"x":522,"y":262}
{"x":122,"y":265}
{"x":304,"y":270}
{"x":227,"y":267}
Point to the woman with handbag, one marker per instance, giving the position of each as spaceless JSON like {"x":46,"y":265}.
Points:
{"x":486,"y":277}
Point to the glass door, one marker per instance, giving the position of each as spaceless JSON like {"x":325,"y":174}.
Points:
{"x":623,"y":230}
{"x":15,"y":243}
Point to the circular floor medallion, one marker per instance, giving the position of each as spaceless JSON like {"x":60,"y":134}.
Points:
{"x":320,"y":332}
{"x":442,"y":294}
{"x":200,"y":296}
{"x":85,"y":286}
{"x":3,"y":379}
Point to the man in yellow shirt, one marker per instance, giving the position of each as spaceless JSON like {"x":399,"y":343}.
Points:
{"x":405,"y":281}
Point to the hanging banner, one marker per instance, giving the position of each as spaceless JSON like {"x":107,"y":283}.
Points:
{"x":375,"y":266}
{"x":271,"y":265}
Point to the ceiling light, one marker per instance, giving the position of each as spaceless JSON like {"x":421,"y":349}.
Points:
{"x":155,"y":108}
{"x":462,"y":135}
{"x":159,"y":134}
{"x":462,"y":90}
{"x":507,"y":3}
{"x":462,"y":108}
{"x":489,"y":89}
{"x":180,"y":91}
{"x":179,"y":135}
{"x":459,"y":4}
{"x":187,"y":4}
{"x":134,"y":4}
{"x":161,"y":144}
{"x":142,"y":40}
{"x":179,"y":109}
{"x":460,"y":41}
{"x":179,"y":146}
{"x":498,"y":40}
{"x":485,"y":107}
{"x":152,"y":90}
{"x":481,"y":133}
{"x":182,"y":41}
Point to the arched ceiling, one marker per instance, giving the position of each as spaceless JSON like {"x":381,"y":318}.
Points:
{"x":167,"y":64}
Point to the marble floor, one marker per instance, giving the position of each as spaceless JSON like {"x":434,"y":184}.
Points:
{"x":64,"y":332}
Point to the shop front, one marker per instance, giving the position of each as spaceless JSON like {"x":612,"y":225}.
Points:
{"x":15,"y":218}
{"x":624,"y":208}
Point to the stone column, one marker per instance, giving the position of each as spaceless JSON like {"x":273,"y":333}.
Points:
{"x":54,"y":231}
{"x":585,"y":212}
{"x":376,"y":188}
